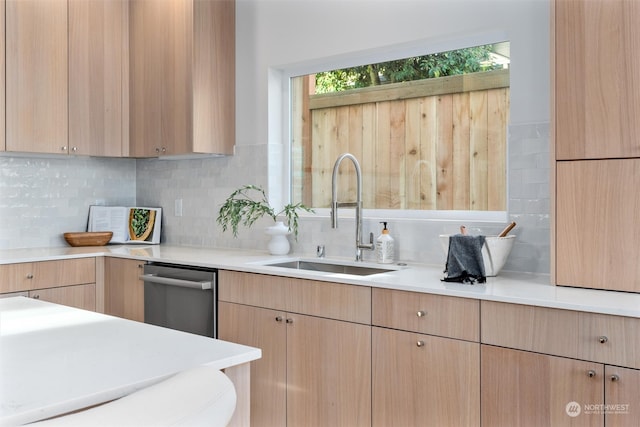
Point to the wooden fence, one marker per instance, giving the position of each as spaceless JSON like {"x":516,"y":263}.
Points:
{"x":431,"y":144}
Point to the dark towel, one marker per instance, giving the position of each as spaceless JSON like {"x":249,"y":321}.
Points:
{"x":464,"y":260}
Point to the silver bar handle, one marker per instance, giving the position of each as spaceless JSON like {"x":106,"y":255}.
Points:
{"x":175,"y":282}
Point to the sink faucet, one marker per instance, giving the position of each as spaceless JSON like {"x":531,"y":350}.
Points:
{"x":357,"y":204}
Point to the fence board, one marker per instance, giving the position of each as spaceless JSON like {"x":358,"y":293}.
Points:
{"x":422,"y":152}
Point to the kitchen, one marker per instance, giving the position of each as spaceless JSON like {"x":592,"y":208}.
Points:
{"x":44,"y":197}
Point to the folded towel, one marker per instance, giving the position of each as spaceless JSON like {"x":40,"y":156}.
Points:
{"x":464,"y":260}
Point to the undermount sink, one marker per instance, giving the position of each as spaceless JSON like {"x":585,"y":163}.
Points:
{"x":327,"y":267}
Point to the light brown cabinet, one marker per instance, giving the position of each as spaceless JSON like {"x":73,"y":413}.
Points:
{"x":426,"y":359}
{"x":182,"y":77}
{"x":315,"y":369}
{"x":98,"y":76}
{"x":522,"y":388}
{"x":597,"y":217}
{"x":123,"y":288}
{"x":595,"y":144}
{"x":539,"y":361}
{"x":597,"y":86}
{"x":69,"y":282}
{"x":66,"y":77}
{"x":36,"y":76}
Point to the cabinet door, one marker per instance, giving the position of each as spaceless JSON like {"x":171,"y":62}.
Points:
{"x":422,"y":380}
{"x":597,"y":221}
{"x":96,"y":71}
{"x":622,"y":396}
{"x":328,"y":372}
{"x":264,"y":329}
{"x":124,"y":290}
{"x":596,"y":79}
{"x":520,"y":388}
{"x":79,"y":296}
{"x":161,"y":41}
{"x":36,"y":76}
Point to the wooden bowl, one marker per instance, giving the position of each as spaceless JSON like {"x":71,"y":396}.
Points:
{"x":95,"y":238}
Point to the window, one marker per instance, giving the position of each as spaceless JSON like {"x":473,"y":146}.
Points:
{"x":429,"y":134}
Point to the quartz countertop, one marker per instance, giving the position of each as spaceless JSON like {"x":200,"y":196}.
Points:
{"x":56,"y":359}
{"x":511,"y":287}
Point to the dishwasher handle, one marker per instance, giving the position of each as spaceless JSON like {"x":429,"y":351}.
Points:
{"x":153,"y":278}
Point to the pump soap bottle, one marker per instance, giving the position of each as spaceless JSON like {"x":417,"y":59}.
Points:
{"x":384,"y":246}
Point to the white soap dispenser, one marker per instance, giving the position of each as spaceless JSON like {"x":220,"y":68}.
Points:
{"x":384,"y":246}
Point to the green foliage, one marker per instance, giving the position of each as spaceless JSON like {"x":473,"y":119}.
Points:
{"x":140,"y":221}
{"x":249,"y":203}
{"x":461,"y":61}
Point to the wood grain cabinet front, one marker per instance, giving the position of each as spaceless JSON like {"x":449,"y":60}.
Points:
{"x":69,"y":282}
{"x":123,"y":288}
{"x":315,"y":368}
{"x":182,"y":77}
{"x":65,"y":76}
{"x":426,"y":359}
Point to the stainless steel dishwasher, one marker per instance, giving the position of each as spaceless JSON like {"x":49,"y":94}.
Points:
{"x":181,"y":297}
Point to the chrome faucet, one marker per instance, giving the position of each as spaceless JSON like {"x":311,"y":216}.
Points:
{"x":357,"y":204}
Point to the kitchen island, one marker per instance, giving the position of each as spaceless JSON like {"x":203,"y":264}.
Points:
{"x":56,"y":359}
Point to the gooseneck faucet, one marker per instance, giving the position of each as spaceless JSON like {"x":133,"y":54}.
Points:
{"x":357,"y":204}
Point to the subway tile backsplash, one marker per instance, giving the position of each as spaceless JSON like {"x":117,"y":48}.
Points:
{"x":42,"y":198}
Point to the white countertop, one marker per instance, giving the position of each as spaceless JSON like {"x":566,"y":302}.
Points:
{"x":55,"y":359}
{"x":513,"y":287}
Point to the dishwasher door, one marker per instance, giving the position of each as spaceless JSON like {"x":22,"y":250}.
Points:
{"x":181,"y":298}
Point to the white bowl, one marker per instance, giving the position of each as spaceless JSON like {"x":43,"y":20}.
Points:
{"x":494,"y":252}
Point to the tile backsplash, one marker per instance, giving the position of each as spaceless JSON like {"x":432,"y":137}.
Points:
{"x":42,"y":198}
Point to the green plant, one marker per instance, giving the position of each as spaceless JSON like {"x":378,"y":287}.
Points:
{"x":249,"y":203}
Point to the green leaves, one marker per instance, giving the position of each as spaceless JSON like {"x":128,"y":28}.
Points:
{"x":248,"y":204}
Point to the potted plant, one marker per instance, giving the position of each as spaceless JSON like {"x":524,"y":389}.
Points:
{"x":249,"y":203}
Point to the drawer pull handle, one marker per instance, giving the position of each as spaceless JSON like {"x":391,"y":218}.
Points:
{"x":615,"y":378}
{"x":278,"y":318}
{"x":420,"y":343}
{"x":289,"y":320}
{"x":591,"y":373}
{"x":29,"y":276}
{"x":421,"y":313}
{"x":603,"y":339}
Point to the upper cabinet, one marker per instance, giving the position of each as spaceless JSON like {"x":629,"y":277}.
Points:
{"x":65,"y":71}
{"x":596,"y":160}
{"x":36,"y":76}
{"x":98,"y":55}
{"x":182,"y":77}
{"x":597,"y":85}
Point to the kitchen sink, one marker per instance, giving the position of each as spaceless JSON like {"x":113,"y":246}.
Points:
{"x":328,"y":267}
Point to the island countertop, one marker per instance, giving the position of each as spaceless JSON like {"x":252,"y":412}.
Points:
{"x":56,"y":359}
{"x":511,"y":287}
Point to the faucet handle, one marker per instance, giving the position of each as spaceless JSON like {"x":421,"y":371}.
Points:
{"x":371,"y":238}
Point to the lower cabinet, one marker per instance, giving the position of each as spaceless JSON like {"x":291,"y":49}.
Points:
{"x":79,"y":296}
{"x":423,"y":380}
{"x":521,"y":388}
{"x":68,"y":282}
{"x":313,"y":372}
{"x":123,"y":289}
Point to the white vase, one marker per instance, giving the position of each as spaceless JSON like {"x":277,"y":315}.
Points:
{"x":279,"y":243}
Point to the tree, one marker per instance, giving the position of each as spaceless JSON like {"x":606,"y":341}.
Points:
{"x":461,"y":61}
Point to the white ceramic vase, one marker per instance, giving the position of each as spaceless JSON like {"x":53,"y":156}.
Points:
{"x":279,"y":243}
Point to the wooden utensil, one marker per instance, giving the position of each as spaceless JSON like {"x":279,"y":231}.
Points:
{"x":507,"y":229}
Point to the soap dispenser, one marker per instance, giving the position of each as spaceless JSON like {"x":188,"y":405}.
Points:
{"x":384,"y":246}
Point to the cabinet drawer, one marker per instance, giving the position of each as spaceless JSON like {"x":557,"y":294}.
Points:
{"x":324,"y":299}
{"x":588,"y":336}
{"x":79,"y":296}
{"x":47,"y":274}
{"x":427,"y":314}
